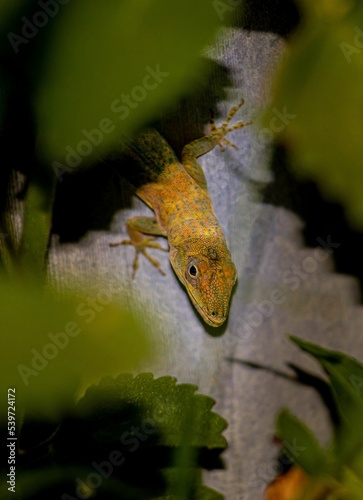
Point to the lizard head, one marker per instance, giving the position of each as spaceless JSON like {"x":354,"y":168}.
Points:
{"x":206,"y":270}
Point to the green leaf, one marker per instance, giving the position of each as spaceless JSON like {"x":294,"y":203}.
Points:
{"x":153,"y":417}
{"x":55,"y":482}
{"x":206,"y":493}
{"x":319,"y":86}
{"x":183,"y":417}
{"x":118,"y":432}
{"x":346,"y":381}
{"x":194,"y":487}
{"x":345,"y":372}
{"x":300,"y":445}
{"x":341,"y":466}
{"x":110,"y":67}
{"x":55,"y":346}
{"x":9,"y":9}
{"x":38,"y":210}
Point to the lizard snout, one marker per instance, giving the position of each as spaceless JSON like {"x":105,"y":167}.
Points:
{"x":216,"y":317}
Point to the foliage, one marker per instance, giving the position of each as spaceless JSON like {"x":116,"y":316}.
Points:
{"x":74,"y":78}
{"x":339,"y":468}
{"x":56,"y":347}
{"x":137,"y":49}
{"x":137,"y":437}
{"x":319,"y":85}
{"x":86,"y":77}
{"x":82,"y":76}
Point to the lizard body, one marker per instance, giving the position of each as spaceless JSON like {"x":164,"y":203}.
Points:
{"x":177,"y":193}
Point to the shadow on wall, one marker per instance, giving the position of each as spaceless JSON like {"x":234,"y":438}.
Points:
{"x":322,"y":218}
{"x":88,"y":199}
{"x":273,"y":16}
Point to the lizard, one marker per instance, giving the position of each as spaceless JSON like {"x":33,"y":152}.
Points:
{"x":177,"y":193}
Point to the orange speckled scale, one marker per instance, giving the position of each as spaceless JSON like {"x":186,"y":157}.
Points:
{"x":177,"y":192}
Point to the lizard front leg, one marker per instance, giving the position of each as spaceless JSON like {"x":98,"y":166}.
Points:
{"x":205,"y":144}
{"x":137,"y":228}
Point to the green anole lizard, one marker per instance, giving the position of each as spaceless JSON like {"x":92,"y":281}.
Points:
{"x":177,"y":193}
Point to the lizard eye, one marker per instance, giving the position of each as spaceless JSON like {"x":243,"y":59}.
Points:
{"x":191,"y":273}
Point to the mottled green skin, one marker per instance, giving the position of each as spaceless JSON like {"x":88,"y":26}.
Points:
{"x":177,"y":193}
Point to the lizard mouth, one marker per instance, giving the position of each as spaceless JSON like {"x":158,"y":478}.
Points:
{"x":211,"y":319}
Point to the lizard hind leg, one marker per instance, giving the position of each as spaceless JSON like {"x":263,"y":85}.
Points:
{"x":137,"y":228}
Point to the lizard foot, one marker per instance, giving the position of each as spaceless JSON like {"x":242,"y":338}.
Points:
{"x":220,"y":132}
{"x":140,"y":248}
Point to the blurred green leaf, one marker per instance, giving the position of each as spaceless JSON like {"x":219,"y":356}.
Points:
{"x":353,"y":485}
{"x":319,"y":87}
{"x":8,"y":8}
{"x":299,"y":444}
{"x":37,"y":225}
{"x":110,"y":67}
{"x":54,"y":347}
